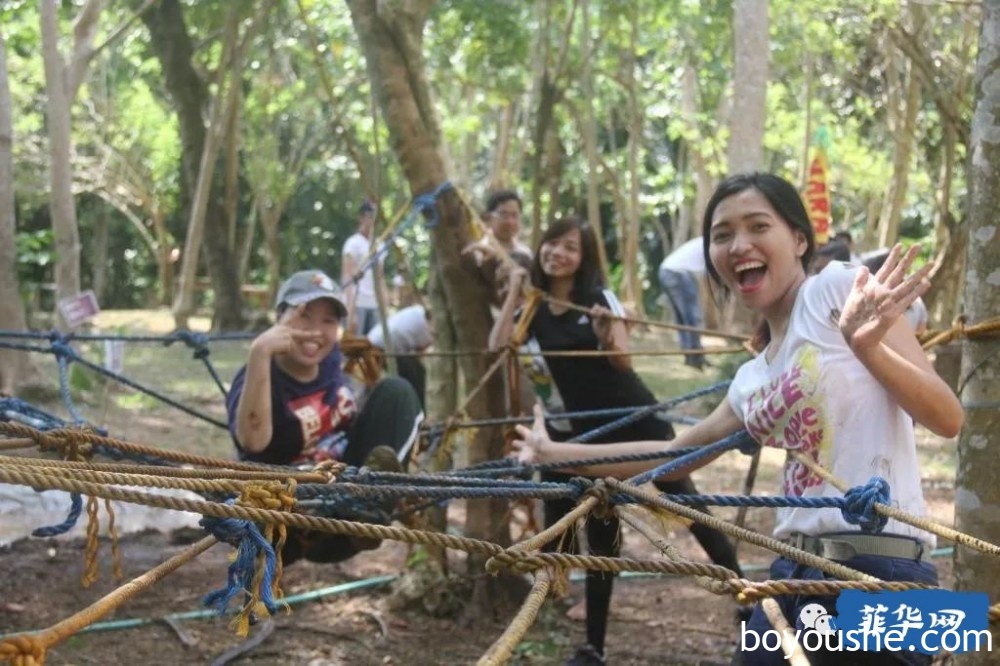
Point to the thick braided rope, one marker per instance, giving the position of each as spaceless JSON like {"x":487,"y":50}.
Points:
{"x":638,"y":518}
{"x":59,"y":438}
{"x":319,"y":476}
{"x":550,"y":533}
{"x":783,"y":549}
{"x":30,"y":649}
{"x":502,"y":649}
{"x":989,"y":328}
{"x":749,"y":591}
{"x":789,"y":645}
{"x":16,"y":443}
{"x":220,"y":510}
{"x":228,"y":487}
{"x":902,"y":516}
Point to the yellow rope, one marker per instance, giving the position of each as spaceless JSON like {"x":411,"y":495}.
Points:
{"x":66,"y":439}
{"x":902,"y":516}
{"x":984,"y":330}
{"x":502,"y":649}
{"x":789,"y":645}
{"x":30,"y":649}
{"x":324,"y":473}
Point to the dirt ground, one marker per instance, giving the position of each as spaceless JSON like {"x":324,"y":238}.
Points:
{"x":654,"y":620}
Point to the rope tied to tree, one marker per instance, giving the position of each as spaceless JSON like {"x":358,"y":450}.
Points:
{"x":859,"y":507}
{"x":960,"y":330}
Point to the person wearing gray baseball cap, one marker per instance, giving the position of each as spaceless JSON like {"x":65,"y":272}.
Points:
{"x":292,"y":404}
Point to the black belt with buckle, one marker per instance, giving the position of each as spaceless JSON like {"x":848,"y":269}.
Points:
{"x":844,"y":546}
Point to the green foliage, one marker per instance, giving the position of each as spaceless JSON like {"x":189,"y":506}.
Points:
{"x":482,"y":61}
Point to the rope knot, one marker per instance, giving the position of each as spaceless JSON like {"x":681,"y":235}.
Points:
{"x":860,"y":501}
{"x":26,"y":649}
{"x":581,"y":485}
{"x":256,"y":567}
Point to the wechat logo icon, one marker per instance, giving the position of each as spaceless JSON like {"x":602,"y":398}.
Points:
{"x":815,"y":617}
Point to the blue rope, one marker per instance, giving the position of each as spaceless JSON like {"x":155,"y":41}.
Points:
{"x":249,"y":543}
{"x":426,"y":204}
{"x":15,"y":409}
{"x":199,"y":343}
{"x":646,"y":411}
{"x":738,"y":440}
{"x":75,"y":509}
{"x":35,"y":335}
{"x":65,"y":354}
{"x":859,"y":508}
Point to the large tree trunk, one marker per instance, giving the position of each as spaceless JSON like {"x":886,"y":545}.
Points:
{"x":391,"y":36}
{"x":15,"y":366}
{"x":904,"y":131}
{"x":977,"y":494}
{"x":58,"y":110}
{"x":751,"y":55}
{"x":750,"y":77}
{"x":172,"y":46}
{"x":632,"y":288}
{"x":589,"y":131}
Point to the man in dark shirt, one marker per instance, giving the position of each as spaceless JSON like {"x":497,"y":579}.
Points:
{"x":292,"y":404}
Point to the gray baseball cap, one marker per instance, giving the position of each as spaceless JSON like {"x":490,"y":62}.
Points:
{"x":306,"y":286}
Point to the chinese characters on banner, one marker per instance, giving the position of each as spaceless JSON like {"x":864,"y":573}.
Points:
{"x":817,"y":197}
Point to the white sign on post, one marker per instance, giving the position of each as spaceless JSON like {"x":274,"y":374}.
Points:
{"x":114,"y":356}
{"x":78,"y":309}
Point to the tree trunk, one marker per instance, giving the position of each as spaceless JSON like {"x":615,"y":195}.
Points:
{"x":172,"y":46}
{"x":15,"y":366}
{"x":750,"y":77}
{"x":949,"y":242}
{"x":589,"y":131}
{"x":977,"y":494}
{"x":631,"y":221}
{"x":99,"y":255}
{"x":904,"y":135}
{"x":391,"y":37}
{"x":498,"y":174}
{"x":58,"y":109}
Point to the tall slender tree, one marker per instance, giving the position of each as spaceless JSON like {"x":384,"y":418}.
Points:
{"x":977,"y":494}
{"x":391,"y":35}
{"x":15,"y":366}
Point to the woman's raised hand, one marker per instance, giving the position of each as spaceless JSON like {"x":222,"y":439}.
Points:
{"x":532,"y":440}
{"x":877,"y":301}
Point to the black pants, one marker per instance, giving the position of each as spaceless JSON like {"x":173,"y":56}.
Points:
{"x":391,"y":416}
{"x":604,"y":539}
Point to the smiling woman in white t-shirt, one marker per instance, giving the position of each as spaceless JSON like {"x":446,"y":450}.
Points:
{"x":840,"y":377}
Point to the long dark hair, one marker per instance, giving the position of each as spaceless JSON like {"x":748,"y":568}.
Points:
{"x":588,"y":275}
{"x":786,"y":202}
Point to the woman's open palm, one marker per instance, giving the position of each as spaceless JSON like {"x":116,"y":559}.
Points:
{"x":877,"y":301}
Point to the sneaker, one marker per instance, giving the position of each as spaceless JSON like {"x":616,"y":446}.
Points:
{"x":586,"y":655}
{"x":383,"y":459}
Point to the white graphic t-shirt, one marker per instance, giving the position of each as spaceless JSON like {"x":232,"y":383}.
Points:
{"x":818,"y":398}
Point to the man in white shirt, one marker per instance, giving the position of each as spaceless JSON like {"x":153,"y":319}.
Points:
{"x":411,"y":334}
{"x":362,"y":306}
{"x":679,"y":275}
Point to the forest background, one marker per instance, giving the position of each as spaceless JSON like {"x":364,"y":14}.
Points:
{"x":189,"y":154}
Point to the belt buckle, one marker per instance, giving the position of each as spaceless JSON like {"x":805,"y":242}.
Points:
{"x":797,"y":540}
{"x":836,"y":549}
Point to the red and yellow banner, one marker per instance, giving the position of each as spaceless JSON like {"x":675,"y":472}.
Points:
{"x":817,"y":197}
